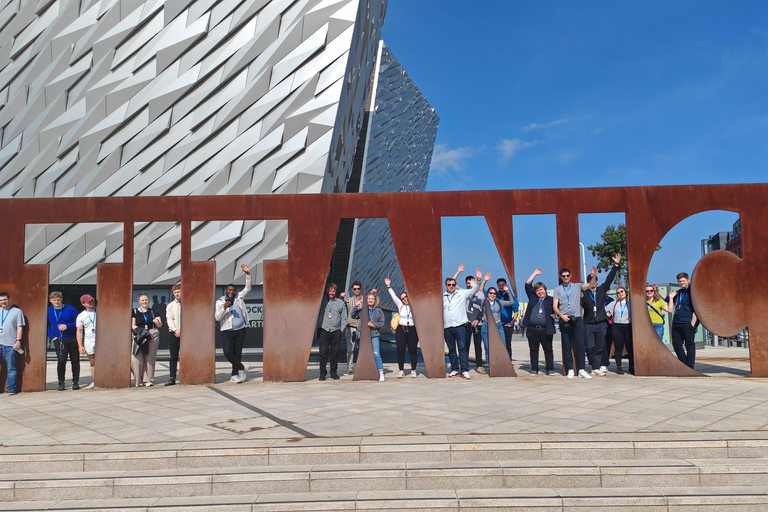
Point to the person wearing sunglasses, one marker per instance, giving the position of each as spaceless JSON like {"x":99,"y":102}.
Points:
{"x":621,"y":331}
{"x":656,"y":305}
{"x":352,"y":332}
{"x":495,"y":304}
{"x":455,"y":320}
{"x":567,"y":306}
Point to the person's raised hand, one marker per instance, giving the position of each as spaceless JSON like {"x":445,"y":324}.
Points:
{"x":616,"y":259}
{"x":537,"y":272}
{"x":487,"y":276}
{"x":387,"y":282}
{"x":461,"y":268}
{"x":245,"y":269}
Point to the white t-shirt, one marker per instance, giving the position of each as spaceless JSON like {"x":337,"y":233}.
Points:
{"x":11,"y":319}
{"x":87,"y":321}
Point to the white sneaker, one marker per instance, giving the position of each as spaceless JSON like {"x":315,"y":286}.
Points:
{"x":89,"y":386}
{"x":400,"y":374}
{"x":243,"y":374}
{"x":381,"y":377}
{"x":584,"y":375}
{"x":148,"y":384}
{"x":570,"y":374}
{"x":603,"y":371}
{"x":413,"y":374}
{"x":465,"y":375}
{"x":235,"y":379}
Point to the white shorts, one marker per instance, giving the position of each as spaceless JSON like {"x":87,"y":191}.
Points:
{"x":90,"y":347}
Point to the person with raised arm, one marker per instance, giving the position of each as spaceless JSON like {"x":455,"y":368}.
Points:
{"x":405,"y":334}
{"x":455,"y":320}
{"x":539,"y":322}
{"x":595,"y":318}
{"x":475,"y":325}
{"x":352,"y":332}
{"x":496,"y":305}
{"x":232,"y":317}
{"x":566,"y":303}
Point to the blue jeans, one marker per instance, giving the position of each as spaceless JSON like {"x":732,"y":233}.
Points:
{"x":484,"y":332}
{"x":573,"y":333}
{"x":376,"y":346}
{"x":456,"y":337}
{"x":659,"y":330}
{"x":10,"y":359}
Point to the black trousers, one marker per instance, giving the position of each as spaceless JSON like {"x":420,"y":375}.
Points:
{"x":476,"y":335}
{"x":407,"y":339}
{"x":537,"y":336}
{"x":174,"y":342}
{"x":232,"y":344}
{"x":508,"y":332}
{"x":67,"y":347}
{"x":329,"y":345}
{"x":622,"y":337}
{"x":682,"y":334}
{"x":606,"y":359}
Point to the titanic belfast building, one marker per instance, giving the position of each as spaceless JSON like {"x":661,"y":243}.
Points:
{"x":205,"y":97}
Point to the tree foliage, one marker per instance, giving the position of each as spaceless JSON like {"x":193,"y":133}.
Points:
{"x":614,"y":240}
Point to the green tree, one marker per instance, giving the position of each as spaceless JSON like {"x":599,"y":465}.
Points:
{"x":614,"y":240}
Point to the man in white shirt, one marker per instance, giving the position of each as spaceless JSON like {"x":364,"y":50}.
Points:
{"x":232,"y":317}
{"x":455,"y":321}
{"x":86,"y":330}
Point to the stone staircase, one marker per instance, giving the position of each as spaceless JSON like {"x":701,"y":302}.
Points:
{"x":627,"y":472}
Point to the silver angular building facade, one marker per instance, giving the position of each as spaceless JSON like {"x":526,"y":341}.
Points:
{"x":179,"y":97}
{"x":400,"y":138}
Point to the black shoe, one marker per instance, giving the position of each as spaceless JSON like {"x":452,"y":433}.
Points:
{"x":631,"y":371}
{"x":334,"y":376}
{"x":171,"y":382}
{"x":61,"y":386}
{"x":75,"y":386}
{"x":619,"y":371}
{"x":322,"y":376}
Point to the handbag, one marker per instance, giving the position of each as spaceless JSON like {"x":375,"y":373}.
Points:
{"x":395,"y":321}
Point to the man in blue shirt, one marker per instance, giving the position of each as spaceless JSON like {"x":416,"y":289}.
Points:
{"x":684,"y":322}
{"x":62,"y":330}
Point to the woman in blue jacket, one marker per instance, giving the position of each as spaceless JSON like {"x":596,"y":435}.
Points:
{"x":539,"y":323}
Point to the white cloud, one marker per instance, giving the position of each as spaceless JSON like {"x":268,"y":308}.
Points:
{"x":449,"y":161}
{"x":508,"y":147}
{"x":551,"y":124}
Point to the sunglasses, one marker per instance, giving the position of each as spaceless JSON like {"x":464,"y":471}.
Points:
{"x":355,"y":287}
{"x":565,"y":276}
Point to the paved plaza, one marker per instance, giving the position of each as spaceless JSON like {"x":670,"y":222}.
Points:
{"x":534,"y":405}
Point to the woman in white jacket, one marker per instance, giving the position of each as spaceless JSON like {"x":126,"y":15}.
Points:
{"x":405,"y":335}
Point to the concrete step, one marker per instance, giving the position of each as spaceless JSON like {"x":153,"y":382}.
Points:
{"x":390,"y":477}
{"x":377,"y":450}
{"x":635,"y":499}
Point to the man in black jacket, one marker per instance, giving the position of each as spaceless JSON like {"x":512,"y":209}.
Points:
{"x":595,"y":318}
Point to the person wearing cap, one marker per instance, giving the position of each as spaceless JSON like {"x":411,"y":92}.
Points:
{"x":63,"y":333}
{"x":11,"y":328}
{"x":173,"y":319}
{"x":86,"y":330}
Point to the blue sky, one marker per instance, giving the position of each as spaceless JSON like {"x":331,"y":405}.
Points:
{"x":541,"y":94}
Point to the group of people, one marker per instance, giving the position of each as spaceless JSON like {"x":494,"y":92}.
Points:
{"x":74,"y":333}
{"x":593,"y":325}
{"x":589,"y":321}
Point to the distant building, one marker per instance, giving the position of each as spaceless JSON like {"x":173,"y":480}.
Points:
{"x":734,"y":240}
{"x":715,"y":242}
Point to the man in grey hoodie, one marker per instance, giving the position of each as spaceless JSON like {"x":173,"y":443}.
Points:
{"x":335,"y":318}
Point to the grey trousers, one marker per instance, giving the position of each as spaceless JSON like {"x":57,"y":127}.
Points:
{"x":350,"y":347}
{"x":143,"y":365}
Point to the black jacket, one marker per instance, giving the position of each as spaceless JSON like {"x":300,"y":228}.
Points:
{"x":533,"y":303}
{"x":587,"y":303}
